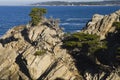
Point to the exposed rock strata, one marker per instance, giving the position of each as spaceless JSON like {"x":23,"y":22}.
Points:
{"x":19,"y":44}
{"x":102,"y":24}
{"x":17,"y":59}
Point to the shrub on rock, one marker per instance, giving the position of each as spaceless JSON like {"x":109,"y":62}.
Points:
{"x":36,"y":15}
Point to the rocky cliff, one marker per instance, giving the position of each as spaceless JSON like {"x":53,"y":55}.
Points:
{"x":102,"y":24}
{"x":34,"y":53}
{"x":107,"y":27}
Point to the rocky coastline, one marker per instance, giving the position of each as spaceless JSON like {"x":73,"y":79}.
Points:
{"x":36,"y":53}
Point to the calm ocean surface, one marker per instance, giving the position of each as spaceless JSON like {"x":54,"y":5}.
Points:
{"x":72,"y":18}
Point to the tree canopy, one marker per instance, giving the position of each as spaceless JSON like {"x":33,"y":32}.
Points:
{"x":36,"y":15}
{"x":82,"y":40}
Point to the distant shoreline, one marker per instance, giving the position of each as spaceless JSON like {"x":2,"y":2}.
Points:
{"x":73,"y":5}
{"x":65,"y":3}
{"x":57,"y":5}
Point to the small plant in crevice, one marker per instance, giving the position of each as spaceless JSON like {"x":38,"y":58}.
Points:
{"x":39,"y":52}
{"x":117,"y":25}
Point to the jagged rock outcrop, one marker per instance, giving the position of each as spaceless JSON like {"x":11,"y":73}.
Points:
{"x":19,"y":62}
{"x":35,"y":53}
{"x":114,"y":75}
{"x":102,"y":25}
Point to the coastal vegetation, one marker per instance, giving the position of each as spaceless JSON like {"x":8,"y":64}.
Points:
{"x":39,"y":52}
{"x":83,"y":42}
{"x":36,"y":15}
{"x":117,"y":25}
{"x":44,"y":52}
{"x":89,"y":50}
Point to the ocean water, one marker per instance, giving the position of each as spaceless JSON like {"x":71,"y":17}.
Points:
{"x":72,"y":18}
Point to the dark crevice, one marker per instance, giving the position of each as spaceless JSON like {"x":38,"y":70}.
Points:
{"x":20,"y":78}
{"x":44,"y":75}
{"x":105,"y":76}
{"x":22,"y":65}
{"x":84,"y":63}
{"x":8,"y":40}
{"x":25,"y":35}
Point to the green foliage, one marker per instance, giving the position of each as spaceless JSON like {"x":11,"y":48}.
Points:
{"x":117,"y":54}
{"x":67,"y":34}
{"x":89,"y":49}
{"x":118,"y":50}
{"x":36,"y":15}
{"x":87,"y":43}
{"x":117,"y":25}
{"x":84,"y":37}
{"x":39,"y":53}
{"x":72,"y":44}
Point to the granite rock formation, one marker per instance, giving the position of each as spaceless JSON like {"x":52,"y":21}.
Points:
{"x":17,"y":54}
{"x":35,"y":53}
{"x":102,"y":24}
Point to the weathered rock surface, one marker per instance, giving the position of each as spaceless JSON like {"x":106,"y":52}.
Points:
{"x":17,"y":49}
{"x":102,"y":25}
{"x":103,"y":76}
{"x":19,"y":45}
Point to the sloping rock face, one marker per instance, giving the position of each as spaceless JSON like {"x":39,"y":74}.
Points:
{"x":102,"y":25}
{"x":103,"y":75}
{"x":19,"y":62}
{"x":35,"y":53}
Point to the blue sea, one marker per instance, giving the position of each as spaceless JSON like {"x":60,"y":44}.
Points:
{"x":72,"y":18}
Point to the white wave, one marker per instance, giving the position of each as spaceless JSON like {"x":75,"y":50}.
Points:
{"x":77,"y":24}
{"x":75,"y":19}
{"x":73,"y":24}
{"x":72,"y":19}
{"x":76,"y":31}
{"x":64,"y":23}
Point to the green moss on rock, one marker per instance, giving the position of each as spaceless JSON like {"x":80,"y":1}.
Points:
{"x":39,"y":52}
